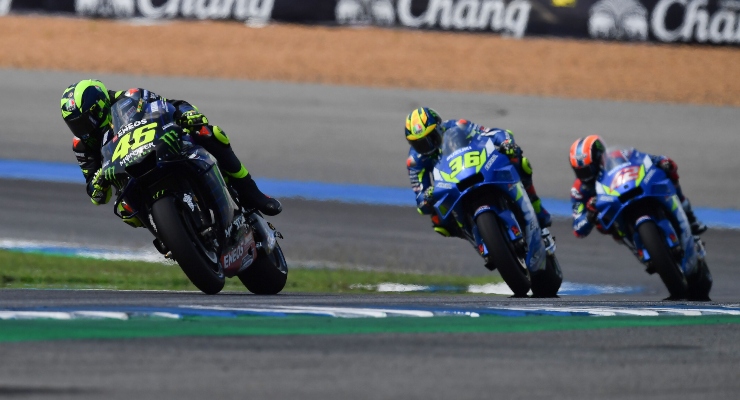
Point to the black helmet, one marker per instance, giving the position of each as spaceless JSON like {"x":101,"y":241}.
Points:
{"x":86,"y":107}
{"x":424,"y":130}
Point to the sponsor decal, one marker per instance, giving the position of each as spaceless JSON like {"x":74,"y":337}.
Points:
{"x":649,"y":176}
{"x":580,"y":224}
{"x":458,"y":151}
{"x":365,"y":12}
{"x":134,"y":154}
{"x":130,"y":126}
{"x":698,"y":24}
{"x":444,"y":185}
{"x":188,"y":199}
{"x":489,"y":164}
{"x":508,"y":18}
{"x":642,"y":219}
{"x":481,"y":209}
{"x":515,"y":230}
{"x":239,"y":256}
{"x":236,"y":224}
{"x":618,"y":19}
{"x":243,"y":10}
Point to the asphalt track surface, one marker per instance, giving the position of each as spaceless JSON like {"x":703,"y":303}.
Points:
{"x":339,"y":134}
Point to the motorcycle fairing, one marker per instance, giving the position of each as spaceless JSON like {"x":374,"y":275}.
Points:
{"x":633,"y":177}
{"x":455,"y":180}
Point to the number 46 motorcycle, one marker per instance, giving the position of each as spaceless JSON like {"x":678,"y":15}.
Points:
{"x":175,"y":189}
{"x":478,"y":188}
{"x":637,"y":202}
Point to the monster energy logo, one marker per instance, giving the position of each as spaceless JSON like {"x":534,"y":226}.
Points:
{"x":171,"y":138}
{"x":110,"y":176}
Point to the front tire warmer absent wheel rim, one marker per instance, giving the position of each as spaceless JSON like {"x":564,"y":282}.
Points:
{"x":501,"y":253}
{"x":662,"y":261}
{"x":185,"y":247}
{"x":268,"y":274}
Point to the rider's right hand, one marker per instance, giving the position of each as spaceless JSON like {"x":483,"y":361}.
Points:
{"x":99,"y":189}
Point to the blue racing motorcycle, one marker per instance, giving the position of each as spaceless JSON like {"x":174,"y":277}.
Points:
{"x":478,"y":189}
{"x":637,"y":203}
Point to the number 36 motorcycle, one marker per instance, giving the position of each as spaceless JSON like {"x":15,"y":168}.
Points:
{"x":478,"y":188}
{"x":174,"y":188}
{"x":637,"y":203}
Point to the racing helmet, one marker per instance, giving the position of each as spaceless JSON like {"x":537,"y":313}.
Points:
{"x":86,"y":107}
{"x":424,"y":130}
{"x":585,"y":157}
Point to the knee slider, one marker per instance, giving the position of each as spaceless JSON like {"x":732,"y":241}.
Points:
{"x":526,"y":166}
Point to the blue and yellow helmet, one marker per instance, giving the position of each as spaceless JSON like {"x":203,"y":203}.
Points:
{"x":424,"y":130}
{"x":86,"y":107}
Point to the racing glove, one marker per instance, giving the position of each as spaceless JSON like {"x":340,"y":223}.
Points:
{"x":99,"y":189}
{"x":192,"y":119}
{"x":509,"y":148}
{"x":591,"y":211}
{"x":428,"y":196}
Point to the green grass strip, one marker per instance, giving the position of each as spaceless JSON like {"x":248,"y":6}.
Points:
{"x":35,"y":330}
{"x":44,"y":271}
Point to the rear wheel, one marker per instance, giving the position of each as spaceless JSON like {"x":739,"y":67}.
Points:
{"x":502,"y":255}
{"x":267,"y":274}
{"x":661,"y":260}
{"x":198,"y":263}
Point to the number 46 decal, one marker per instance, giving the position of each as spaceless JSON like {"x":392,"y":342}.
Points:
{"x":134,"y":140}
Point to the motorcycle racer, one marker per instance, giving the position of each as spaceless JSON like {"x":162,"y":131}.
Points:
{"x":424,"y":132}
{"x":586,"y":160}
{"x":86,"y":109}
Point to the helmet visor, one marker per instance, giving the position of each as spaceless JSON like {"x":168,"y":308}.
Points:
{"x":82,"y":125}
{"x":585,"y":174}
{"x":428,"y":144}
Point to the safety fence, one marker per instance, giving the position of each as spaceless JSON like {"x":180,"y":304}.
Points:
{"x":715,"y":22}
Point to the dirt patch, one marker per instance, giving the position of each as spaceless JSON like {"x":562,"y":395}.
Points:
{"x":377,"y":57}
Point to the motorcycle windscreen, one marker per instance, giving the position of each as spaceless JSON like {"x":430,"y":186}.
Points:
{"x":126,"y":113}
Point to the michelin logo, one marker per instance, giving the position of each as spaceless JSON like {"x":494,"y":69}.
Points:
{"x":618,"y":19}
{"x":365,"y":12}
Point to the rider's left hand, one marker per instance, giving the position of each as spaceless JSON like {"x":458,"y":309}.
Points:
{"x":508,"y":147}
{"x":192,"y":119}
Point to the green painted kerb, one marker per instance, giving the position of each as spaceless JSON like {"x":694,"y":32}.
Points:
{"x":35,"y":330}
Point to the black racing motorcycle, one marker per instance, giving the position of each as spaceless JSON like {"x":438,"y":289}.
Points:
{"x":174,"y":188}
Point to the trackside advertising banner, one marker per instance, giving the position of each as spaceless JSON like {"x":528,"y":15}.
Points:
{"x":668,"y":21}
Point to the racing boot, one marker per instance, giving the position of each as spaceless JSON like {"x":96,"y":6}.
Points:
{"x":697,"y":227}
{"x":446,"y":230}
{"x":251,"y":196}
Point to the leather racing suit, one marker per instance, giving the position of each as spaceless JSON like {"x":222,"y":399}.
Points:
{"x":88,"y":151}
{"x":420,"y":168}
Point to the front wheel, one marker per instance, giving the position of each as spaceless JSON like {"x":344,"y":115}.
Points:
{"x":177,"y":234}
{"x":661,"y":260}
{"x":267,"y":274}
{"x":502,"y":255}
{"x":547,"y":283}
